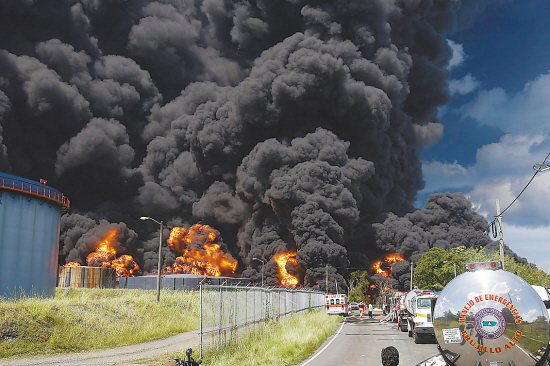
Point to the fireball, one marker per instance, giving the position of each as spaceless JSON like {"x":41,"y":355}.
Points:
{"x":72,"y":264}
{"x":105,"y":256}
{"x":387,"y":261}
{"x":201,"y":254}
{"x":285,"y":278}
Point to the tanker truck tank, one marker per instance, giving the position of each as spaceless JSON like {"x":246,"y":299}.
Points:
{"x":490,"y":317}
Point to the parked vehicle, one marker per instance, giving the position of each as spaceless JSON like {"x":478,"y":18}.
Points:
{"x":336,"y":304}
{"x":420,"y":321}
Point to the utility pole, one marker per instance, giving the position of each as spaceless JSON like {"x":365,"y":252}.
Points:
{"x":501,"y":239}
{"x":326,"y":277}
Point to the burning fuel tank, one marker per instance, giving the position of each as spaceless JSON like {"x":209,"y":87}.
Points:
{"x":30,"y":213}
{"x":87,"y":277}
{"x":491,"y":317}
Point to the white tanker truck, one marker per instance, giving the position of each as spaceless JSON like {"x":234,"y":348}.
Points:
{"x":417,"y":318}
{"x":490,"y":317}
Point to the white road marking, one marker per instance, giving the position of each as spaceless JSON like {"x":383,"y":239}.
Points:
{"x":325,"y":347}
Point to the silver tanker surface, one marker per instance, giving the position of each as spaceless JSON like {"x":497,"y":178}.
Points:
{"x":491,"y":317}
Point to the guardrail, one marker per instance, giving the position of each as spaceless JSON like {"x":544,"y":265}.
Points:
{"x":40,"y":190}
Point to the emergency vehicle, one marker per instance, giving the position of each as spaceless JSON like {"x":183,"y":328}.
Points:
{"x":336,"y":304}
{"x":488,"y":316}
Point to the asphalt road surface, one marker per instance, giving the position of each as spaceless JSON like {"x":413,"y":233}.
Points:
{"x":360,"y":340}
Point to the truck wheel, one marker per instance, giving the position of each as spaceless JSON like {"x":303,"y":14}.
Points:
{"x":403,"y":327}
{"x":416,"y":338}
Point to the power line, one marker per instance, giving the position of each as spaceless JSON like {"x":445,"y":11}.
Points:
{"x":538,"y":168}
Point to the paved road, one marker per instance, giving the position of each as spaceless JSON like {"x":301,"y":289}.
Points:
{"x":359,"y":341}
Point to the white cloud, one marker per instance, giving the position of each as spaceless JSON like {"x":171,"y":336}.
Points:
{"x":439,"y":175}
{"x":531,"y":315}
{"x":458,"y":54}
{"x":463,"y":86}
{"x":503,"y":169}
{"x":527,"y":111}
{"x":529,"y":243}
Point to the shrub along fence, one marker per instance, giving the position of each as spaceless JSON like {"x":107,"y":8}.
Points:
{"x":226,"y":310}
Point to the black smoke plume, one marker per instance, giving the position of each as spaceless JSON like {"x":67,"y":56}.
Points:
{"x":286,"y":125}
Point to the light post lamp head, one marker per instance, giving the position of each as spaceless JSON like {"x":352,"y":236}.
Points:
{"x":454,"y":265}
{"x":263,"y":263}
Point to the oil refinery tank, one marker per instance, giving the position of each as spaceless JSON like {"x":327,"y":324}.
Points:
{"x":30,"y":215}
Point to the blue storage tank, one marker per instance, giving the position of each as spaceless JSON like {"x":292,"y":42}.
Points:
{"x":30,"y":213}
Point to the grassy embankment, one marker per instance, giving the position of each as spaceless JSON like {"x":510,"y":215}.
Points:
{"x":87,"y":319}
{"x":285,"y":342}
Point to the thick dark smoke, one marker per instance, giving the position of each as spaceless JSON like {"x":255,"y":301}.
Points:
{"x":286,"y":125}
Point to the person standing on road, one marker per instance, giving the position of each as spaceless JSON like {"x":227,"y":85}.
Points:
{"x":361,"y":308}
{"x":370,"y":310}
{"x":390,"y":356}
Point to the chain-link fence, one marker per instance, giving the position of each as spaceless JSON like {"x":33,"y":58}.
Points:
{"x":227,"y":310}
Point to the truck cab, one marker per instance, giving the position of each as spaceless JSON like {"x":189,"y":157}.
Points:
{"x":422,"y":321}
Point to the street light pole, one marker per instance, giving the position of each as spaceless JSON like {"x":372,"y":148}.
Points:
{"x":412,"y":267}
{"x":160,"y":254}
{"x":263,"y":263}
{"x":454,"y":265}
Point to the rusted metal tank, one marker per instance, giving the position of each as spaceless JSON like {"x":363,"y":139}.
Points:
{"x":87,"y":277}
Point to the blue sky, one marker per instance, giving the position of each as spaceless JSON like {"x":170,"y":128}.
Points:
{"x":497,"y":125}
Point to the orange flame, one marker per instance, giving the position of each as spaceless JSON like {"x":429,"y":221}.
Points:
{"x":72,"y":264}
{"x":201,"y":255}
{"x":372,"y":287}
{"x":285,"y":278}
{"x":105,"y":256}
{"x":125,"y":266}
{"x":391,"y":259}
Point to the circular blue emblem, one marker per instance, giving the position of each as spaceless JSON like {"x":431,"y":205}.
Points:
{"x":489,"y":323}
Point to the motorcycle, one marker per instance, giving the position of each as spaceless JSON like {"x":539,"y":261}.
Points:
{"x":189,"y":362}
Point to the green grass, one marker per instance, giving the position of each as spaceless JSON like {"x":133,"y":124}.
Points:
{"x":283,"y":342}
{"x":87,"y":319}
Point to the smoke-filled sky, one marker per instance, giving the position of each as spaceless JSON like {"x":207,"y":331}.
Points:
{"x":497,"y":125}
{"x":288,"y":125}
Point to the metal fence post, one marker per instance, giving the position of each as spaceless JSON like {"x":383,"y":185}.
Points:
{"x":200,"y":316}
{"x":220,"y":325}
{"x":235,"y":312}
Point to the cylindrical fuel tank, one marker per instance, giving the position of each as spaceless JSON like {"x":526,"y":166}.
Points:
{"x":30,"y":213}
{"x":491,"y":318}
{"x":89,"y":277}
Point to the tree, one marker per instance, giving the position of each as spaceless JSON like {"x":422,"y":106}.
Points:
{"x":359,"y":286}
{"x":435,"y":269}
